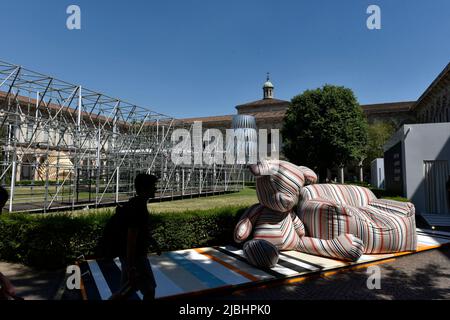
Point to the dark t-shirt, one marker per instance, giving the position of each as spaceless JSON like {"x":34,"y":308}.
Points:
{"x":135,"y":215}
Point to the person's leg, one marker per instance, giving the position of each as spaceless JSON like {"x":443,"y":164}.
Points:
{"x":3,"y":296}
{"x":124,"y":275}
{"x":124,"y":289}
{"x":150,"y":294}
{"x":146,"y":280}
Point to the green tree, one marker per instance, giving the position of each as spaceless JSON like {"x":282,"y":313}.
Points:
{"x":324,"y":128}
{"x":378,"y":134}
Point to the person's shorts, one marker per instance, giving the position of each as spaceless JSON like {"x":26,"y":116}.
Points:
{"x":145,"y":280}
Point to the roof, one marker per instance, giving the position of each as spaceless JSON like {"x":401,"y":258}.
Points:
{"x":268,"y":114}
{"x":264,"y":102}
{"x":208,"y":119}
{"x":402,"y":106}
{"x":50,"y":106}
{"x":47,"y":106}
{"x":257,"y":115}
{"x":442,"y":79}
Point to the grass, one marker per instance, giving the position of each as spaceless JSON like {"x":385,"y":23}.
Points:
{"x":245,"y":197}
{"x":401,"y":199}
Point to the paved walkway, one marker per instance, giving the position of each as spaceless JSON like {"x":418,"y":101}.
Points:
{"x":31,"y":284}
{"x":424,"y":275}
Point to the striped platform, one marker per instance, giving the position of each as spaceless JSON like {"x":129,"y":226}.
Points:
{"x":202,"y":270}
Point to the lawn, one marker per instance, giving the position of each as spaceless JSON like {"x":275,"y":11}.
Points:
{"x":245,"y":197}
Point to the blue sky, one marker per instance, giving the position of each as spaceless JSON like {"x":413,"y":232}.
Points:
{"x":190,"y":58}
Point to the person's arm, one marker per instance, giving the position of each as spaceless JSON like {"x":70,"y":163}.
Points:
{"x":7,"y":286}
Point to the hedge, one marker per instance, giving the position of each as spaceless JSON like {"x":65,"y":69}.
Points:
{"x":55,"y":241}
{"x":382,"y":193}
{"x":379,"y":193}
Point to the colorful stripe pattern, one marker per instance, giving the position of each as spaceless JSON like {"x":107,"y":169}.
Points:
{"x":261,"y":253}
{"x":346,"y":247}
{"x":198,"y":271}
{"x":310,"y":176}
{"x":331,"y":210}
{"x":285,"y":231}
{"x":342,"y":194}
{"x":278,"y":183}
{"x":276,"y":226}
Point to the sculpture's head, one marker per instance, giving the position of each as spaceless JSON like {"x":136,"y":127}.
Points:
{"x":278,"y":183}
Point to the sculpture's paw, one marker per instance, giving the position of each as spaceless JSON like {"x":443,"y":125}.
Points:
{"x":261,"y":253}
{"x":350,"y":247}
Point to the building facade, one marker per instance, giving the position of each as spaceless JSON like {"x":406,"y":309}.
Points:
{"x":433,"y":106}
{"x":417,"y":166}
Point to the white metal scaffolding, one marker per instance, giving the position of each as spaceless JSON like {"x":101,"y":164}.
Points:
{"x":65,"y":147}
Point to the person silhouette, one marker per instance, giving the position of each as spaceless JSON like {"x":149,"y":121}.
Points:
{"x":7,"y":290}
{"x":3,"y":198}
{"x":137,"y":272}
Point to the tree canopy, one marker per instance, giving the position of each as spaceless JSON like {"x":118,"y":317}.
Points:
{"x":324,"y":128}
{"x":378,"y":134}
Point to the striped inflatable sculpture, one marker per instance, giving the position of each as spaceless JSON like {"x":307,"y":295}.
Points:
{"x":384,"y":226}
{"x":274,"y":225}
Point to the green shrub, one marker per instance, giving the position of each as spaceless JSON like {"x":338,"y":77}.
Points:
{"x":381,"y":193}
{"x":184,"y":230}
{"x":54,"y":241}
{"x":49,"y":242}
{"x":250,"y":184}
{"x":401,"y":199}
